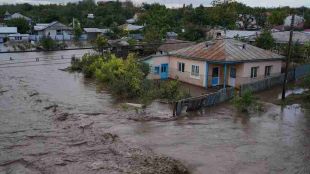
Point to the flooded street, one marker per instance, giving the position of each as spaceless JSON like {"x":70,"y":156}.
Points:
{"x":53,"y":121}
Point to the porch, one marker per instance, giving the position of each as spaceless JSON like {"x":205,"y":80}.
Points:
{"x":219,"y":75}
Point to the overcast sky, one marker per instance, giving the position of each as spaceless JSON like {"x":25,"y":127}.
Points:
{"x":178,"y":3}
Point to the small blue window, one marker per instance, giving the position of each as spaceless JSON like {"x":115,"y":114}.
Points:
{"x":156,"y":70}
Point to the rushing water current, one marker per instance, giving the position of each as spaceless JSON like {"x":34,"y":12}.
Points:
{"x":217,"y":140}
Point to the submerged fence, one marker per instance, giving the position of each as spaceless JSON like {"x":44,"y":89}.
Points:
{"x":196,"y":103}
{"x":301,"y":71}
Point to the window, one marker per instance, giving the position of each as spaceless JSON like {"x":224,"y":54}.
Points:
{"x":58,"y":32}
{"x":181,"y":66}
{"x":18,"y":38}
{"x":233,"y":72}
{"x":268,"y":71}
{"x":156,"y":70}
{"x":254,"y":72}
{"x":195,"y":70}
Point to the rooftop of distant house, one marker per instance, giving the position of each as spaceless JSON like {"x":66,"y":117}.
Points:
{"x":283,"y":37}
{"x":174,"y":44}
{"x":96,"y":30}
{"x":56,"y":24}
{"x":8,"y":30}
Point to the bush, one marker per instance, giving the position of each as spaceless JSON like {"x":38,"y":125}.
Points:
{"x":171,"y":90}
{"x":126,"y":78}
{"x":246,"y":102}
{"x":306,"y":82}
{"x":48,"y":43}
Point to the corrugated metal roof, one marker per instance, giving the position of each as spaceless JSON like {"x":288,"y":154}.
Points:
{"x":225,"y":50}
{"x":283,"y":37}
{"x":18,"y":15}
{"x":96,"y":30}
{"x":241,"y":33}
{"x":39,"y":27}
{"x":8,"y":30}
{"x":174,"y":44}
{"x":131,"y":27}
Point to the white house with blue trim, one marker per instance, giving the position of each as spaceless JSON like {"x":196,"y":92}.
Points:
{"x":221,"y":62}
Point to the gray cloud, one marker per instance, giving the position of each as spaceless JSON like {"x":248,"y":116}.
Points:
{"x":178,"y":3}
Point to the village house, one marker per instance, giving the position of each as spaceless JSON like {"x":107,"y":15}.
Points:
{"x":171,"y":45}
{"x":298,"y":37}
{"x":8,"y":16}
{"x":54,"y":30}
{"x":92,"y":33}
{"x":18,"y":37}
{"x":131,"y":28}
{"x":6,"y":31}
{"x":221,"y":63}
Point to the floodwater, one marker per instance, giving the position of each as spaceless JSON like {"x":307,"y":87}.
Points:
{"x":216,"y":140}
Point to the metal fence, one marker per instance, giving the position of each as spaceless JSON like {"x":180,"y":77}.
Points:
{"x":267,"y":83}
{"x":196,"y":103}
{"x":302,"y":71}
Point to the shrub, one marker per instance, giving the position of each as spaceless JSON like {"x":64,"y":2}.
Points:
{"x":306,"y":82}
{"x":246,"y":102}
{"x":171,"y":90}
{"x":126,"y":78}
{"x":48,"y":43}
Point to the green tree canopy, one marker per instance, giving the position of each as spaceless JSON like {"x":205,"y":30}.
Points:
{"x":21,"y":24}
{"x":265,"y":40}
{"x":100,"y":43}
{"x":77,"y":30}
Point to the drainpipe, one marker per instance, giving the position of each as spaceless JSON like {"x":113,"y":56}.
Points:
{"x":207,"y":74}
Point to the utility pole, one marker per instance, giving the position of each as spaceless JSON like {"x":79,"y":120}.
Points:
{"x":288,"y":56}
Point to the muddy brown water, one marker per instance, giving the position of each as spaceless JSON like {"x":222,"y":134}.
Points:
{"x":214,"y":140}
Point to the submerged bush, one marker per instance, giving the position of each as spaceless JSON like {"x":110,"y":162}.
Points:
{"x":126,"y":78}
{"x":246,"y":102}
{"x":171,"y":90}
{"x":306,"y":82}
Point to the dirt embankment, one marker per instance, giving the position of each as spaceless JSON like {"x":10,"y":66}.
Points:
{"x":77,"y":143}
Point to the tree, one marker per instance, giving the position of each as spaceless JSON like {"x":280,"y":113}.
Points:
{"x":77,"y":30}
{"x":265,"y":40}
{"x":277,"y":17}
{"x":100,"y":43}
{"x":21,"y":24}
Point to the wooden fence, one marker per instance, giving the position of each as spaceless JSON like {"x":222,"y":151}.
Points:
{"x":196,"y":103}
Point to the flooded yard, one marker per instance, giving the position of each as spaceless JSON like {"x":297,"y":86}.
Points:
{"x":53,"y":121}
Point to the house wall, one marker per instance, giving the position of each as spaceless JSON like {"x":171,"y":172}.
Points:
{"x":244,"y":75}
{"x":186,"y":76}
{"x":157,"y":61}
{"x":243,"y":70}
{"x":23,"y":39}
{"x":53,"y":34}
